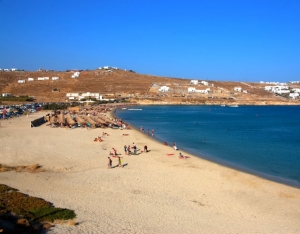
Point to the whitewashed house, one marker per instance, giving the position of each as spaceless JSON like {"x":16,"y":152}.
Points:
{"x":283,"y":91}
{"x":269,"y":88}
{"x":55,"y":78}
{"x":296,"y":90}
{"x":46,"y":78}
{"x":203,"y":91}
{"x":30,"y":79}
{"x":72,"y":96}
{"x":97,"y":96}
{"x":6,"y":95}
{"x":191,"y":89}
{"x":164,"y":89}
{"x":76,"y":74}
{"x":14,"y":69}
{"x":40,"y":78}
{"x":294,"y":95}
{"x":238,"y":89}
{"x":21,"y":81}
{"x":204,"y":83}
{"x":280,"y":89}
{"x":195,"y":82}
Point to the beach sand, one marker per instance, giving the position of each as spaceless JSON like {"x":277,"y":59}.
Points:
{"x":153,"y":193}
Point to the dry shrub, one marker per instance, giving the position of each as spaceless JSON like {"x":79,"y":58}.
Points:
{"x":47,"y":225}
{"x":23,"y":222}
{"x":33,"y":168}
{"x":72,"y":223}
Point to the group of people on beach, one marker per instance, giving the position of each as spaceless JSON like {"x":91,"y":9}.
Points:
{"x":128,"y":150}
{"x":120,"y":160}
{"x":99,"y":138}
{"x":148,"y":131}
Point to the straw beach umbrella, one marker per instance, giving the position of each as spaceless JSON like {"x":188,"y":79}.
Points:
{"x":69,"y":119}
{"x":89,"y":120}
{"x":79,"y":119}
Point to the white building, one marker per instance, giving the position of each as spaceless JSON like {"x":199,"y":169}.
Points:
{"x":238,"y":89}
{"x":46,"y":78}
{"x":293,"y":95}
{"x":72,"y":96}
{"x":97,"y":96}
{"x":14,"y":69}
{"x":203,"y":91}
{"x":76,"y":74}
{"x":21,"y":81}
{"x":6,"y":95}
{"x":204,"y":83}
{"x":164,"y":89}
{"x":30,"y":79}
{"x":195,"y":82}
{"x":40,"y":78}
{"x":79,"y":96}
{"x":55,"y":78}
{"x":296,"y":90}
{"x":280,"y":89}
{"x":191,"y":89}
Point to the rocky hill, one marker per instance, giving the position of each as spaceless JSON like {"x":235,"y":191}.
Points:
{"x":138,"y":87}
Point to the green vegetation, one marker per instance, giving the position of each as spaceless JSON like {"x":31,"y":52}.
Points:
{"x":18,"y":99}
{"x":31,"y":209}
{"x":56,"y":106}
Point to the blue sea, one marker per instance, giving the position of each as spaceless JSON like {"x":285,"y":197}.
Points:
{"x":261,"y":140}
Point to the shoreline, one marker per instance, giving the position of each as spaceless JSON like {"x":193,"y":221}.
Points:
{"x":225,"y":163}
{"x":153,"y":193}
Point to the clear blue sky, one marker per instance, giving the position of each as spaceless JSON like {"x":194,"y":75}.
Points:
{"x":230,"y":40}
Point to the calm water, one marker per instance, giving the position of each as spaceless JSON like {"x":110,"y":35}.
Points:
{"x":262,"y":140}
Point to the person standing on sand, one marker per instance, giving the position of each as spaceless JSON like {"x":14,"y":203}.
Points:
{"x":120,"y":162}
{"x":4,"y":113}
{"x":174,"y":146}
{"x":128,"y":150}
{"x":125,"y":149}
{"x":109,"y":165}
{"x":152,"y":132}
{"x":145,"y":149}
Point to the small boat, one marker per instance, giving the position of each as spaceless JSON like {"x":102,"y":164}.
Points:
{"x":135,"y":109}
{"x":233,"y":106}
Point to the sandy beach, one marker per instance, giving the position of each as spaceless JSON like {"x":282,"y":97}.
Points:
{"x":152,"y":193}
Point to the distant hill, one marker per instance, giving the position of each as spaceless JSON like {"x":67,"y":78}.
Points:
{"x":140,"y":88}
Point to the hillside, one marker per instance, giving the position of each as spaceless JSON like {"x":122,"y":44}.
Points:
{"x":140,"y":88}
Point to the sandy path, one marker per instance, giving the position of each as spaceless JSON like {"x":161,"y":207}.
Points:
{"x":154,"y":193}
